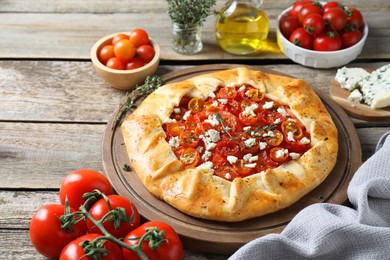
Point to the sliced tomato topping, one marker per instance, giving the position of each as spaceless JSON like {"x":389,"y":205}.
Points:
{"x":226,"y":172}
{"x":174,"y":129}
{"x":190,"y":157}
{"x":227,"y":147}
{"x":202,"y":128}
{"x":255,"y":94}
{"x":196,"y":105}
{"x":248,"y":119}
{"x":227,"y":93}
{"x":242,"y":168}
{"x":274,"y":137}
{"x":279,"y":154}
{"x":290,"y":126}
{"x":219,"y":160}
{"x":188,"y":139}
{"x":233,"y":107}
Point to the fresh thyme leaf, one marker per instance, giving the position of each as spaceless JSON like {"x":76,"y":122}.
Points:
{"x":151,"y":83}
{"x":189,"y":12}
{"x":126,"y":167}
{"x":219,"y":118}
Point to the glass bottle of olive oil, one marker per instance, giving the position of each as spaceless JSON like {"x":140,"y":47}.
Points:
{"x":242,"y":26}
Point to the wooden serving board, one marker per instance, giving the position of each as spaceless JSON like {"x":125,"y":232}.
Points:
{"x":220,"y":237}
{"x":359,"y":111}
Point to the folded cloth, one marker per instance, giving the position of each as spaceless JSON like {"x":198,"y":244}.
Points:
{"x":328,"y":231}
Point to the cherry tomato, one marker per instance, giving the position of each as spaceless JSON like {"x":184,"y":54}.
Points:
{"x":146,"y":53}
{"x":227,"y":147}
{"x":332,"y":4}
{"x":139,"y":37}
{"x":188,"y":139}
{"x":219,"y":160}
{"x":355,"y":18}
{"x":229,"y":122}
{"x":293,"y":127}
{"x":190,"y":157}
{"x":175,"y":128}
{"x":350,"y":38}
{"x":288,"y":24}
{"x":100,"y":208}
{"x":202,"y":128}
{"x":227,"y":93}
{"x":309,"y":8}
{"x":314,"y":24}
{"x":278,"y":154}
{"x":301,"y":38}
{"x":106,"y":53}
{"x":80,"y":181}
{"x":74,"y":250}
{"x":241,"y":168}
{"x":196,"y":104}
{"x":226,"y":172}
{"x":248,"y":120}
{"x":255,"y":95}
{"x":118,"y":37}
{"x":134,"y":63}
{"x":124,"y":50}
{"x":46,"y":233}
{"x":336,"y":17}
{"x":328,"y":42}
{"x":116,"y":64}
{"x":233,"y":106}
{"x":296,"y":8}
{"x":275,"y":139}
{"x":170,"y":249}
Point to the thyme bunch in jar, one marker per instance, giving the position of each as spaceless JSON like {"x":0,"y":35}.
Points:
{"x":187,"y":18}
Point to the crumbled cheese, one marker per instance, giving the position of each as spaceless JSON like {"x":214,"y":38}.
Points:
{"x":242,"y":88}
{"x":200,"y":149}
{"x":290,"y":136}
{"x":250,"y":165}
{"x":214,"y":135}
{"x":223,"y":101}
{"x":279,"y":153}
{"x":215,"y":103}
{"x":246,"y":128}
{"x":294,"y":156}
{"x":262,"y":145}
{"x":305,"y":140}
{"x":349,"y":77}
{"x":174,"y":142}
{"x":232,"y":159}
{"x":269,"y":134}
{"x":186,"y":114}
{"x":169,"y":120}
{"x":212,"y":95}
{"x":277,"y":121}
{"x":210,"y":146}
{"x":250,"y":158}
{"x":250,"y":142}
{"x":206,"y":166}
{"x":268,"y":105}
{"x":206,"y":155}
{"x":212,"y":120}
{"x":228,"y":176}
{"x":249,"y":110}
{"x":355,"y":97}
{"x":282,"y":111}
{"x":230,"y":84}
{"x":177,"y":110}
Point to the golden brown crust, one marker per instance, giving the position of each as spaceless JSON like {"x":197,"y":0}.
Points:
{"x":198,"y":192}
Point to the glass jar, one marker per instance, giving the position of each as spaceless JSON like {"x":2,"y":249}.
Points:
{"x":242,"y":26}
{"x":187,"y":38}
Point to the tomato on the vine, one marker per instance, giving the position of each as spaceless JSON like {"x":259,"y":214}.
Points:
{"x":146,"y":53}
{"x":130,"y":221}
{"x":288,"y":24}
{"x":80,"y":181}
{"x":46,"y":233}
{"x":139,"y":37}
{"x":328,"y":42}
{"x":301,"y":38}
{"x":170,"y":248}
{"x":74,"y":249}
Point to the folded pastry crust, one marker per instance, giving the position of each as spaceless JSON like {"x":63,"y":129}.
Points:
{"x":197,"y":191}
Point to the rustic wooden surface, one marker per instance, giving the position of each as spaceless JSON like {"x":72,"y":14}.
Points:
{"x":54,"y":108}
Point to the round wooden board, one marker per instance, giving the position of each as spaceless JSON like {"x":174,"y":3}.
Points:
{"x":359,"y":111}
{"x":220,"y":237}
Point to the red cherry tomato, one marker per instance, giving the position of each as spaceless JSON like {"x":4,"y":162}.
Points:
{"x":106,"y":53}
{"x":314,"y":24}
{"x":46,"y":233}
{"x":337,"y":18}
{"x":170,"y":249}
{"x":332,"y":4}
{"x":100,"y":208}
{"x":288,"y":24}
{"x":296,"y":8}
{"x":355,"y":18}
{"x":351,"y":38}
{"x":146,"y":53}
{"x":116,"y":64}
{"x":81,"y":181}
{"x":301,"y":38}
{"x":134,"y":63}
{"x":74,"y":250}
{"x":310,"y":8}
{"x":139,"y":37}
{"x":118,"y":37}
{"x":328,"y":42}
{"x":228,"y":147}
{"x":124,"y":50}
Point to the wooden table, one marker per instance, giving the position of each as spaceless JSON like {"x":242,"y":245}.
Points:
{"x":54,"y":107}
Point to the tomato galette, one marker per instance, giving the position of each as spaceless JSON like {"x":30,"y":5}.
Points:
{"x":231,"y":145}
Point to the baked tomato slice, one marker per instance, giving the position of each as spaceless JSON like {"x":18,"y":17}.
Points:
{"x":254,"y":94}
{"x":241,"y":167}
{"x":293,"y":127}
{"x":279,"y":154}
{"x":226,"y":172}
{"x":227,"y":147}
{"x":227,"y":92}
{"x":274,"y":137}
{"x":196,"y":104}
{"x":175,"y":128}
{"x":190,"y":157}
{"x":188,"y":139}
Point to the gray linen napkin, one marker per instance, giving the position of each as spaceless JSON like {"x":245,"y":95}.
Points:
{"x":328,"y":231}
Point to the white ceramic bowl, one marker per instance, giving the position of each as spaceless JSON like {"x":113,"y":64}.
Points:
{"x":317,"y":59}
{"x":123,"y":79}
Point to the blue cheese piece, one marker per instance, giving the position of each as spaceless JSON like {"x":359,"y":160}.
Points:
{"x":355,"y":97}
{"x":376,"y":88}
{"x":349,"y":77}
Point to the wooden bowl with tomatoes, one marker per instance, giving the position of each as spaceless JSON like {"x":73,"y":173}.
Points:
{"x":124,"y":60}
{"x":321,"y":34}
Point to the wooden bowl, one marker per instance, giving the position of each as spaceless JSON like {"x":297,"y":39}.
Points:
{"x":123,"y":79}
